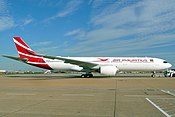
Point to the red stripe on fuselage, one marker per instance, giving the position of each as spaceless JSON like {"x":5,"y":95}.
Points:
{"x":33,"y":59}
{"x":37,"y":61}
{"x":45,"y":66}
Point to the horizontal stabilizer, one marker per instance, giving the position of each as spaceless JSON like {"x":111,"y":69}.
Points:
{"x":25,"y":60}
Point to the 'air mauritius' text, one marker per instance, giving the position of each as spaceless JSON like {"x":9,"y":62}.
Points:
{"x":131,"y":60}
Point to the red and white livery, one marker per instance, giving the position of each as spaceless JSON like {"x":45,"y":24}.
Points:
{"x":104,"y":65}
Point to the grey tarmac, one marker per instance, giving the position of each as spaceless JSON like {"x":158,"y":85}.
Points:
{"x":68,"y":95}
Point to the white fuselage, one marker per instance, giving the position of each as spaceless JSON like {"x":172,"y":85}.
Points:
{"x":104,"y":65}
{"x":122,"y":63}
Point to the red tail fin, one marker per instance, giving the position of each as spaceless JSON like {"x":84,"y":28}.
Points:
{"x":23,"y":48}
{"x":25,"y":52}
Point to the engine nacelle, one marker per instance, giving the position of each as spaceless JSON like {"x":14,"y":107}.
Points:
{"x":108,"y":70}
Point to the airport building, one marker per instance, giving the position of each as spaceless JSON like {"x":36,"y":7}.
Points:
{"x":3,"y":71}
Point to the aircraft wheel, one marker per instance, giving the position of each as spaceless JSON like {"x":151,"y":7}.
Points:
{"x":173,"y":75}
{"x":86,"y":75}
{"x":83,"y":76}
{"x":154,"y":74}
{"x":89,"y":75}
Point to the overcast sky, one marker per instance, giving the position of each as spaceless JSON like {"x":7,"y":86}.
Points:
{"x":88,"y":28}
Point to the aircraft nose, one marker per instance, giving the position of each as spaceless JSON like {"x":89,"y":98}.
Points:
{"x":169,"y":65}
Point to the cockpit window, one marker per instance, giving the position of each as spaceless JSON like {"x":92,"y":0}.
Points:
{"x":165,"y":62}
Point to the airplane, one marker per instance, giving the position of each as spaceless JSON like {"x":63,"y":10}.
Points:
{"x":103,"y":65}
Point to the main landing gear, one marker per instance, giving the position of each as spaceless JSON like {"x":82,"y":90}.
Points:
{"x":154,"y":74}
{"x":89,"y":75}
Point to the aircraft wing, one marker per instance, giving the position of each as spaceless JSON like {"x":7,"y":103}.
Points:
{"x":85,"y":65}
{"x":17,"y":58}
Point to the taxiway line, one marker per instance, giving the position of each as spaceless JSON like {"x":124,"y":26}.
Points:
{"x":161,"y":110}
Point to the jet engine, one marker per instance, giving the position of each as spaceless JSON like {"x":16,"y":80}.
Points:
{"x":108,"y":70}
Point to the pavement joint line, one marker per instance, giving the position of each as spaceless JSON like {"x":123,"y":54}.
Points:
{"x":168,"y":92}
{"x":141,"y":96}
{"x":21,"y":94}
{"x":84,"y":95}
{"x":160,"y":109}
{"x":55,"y":89}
